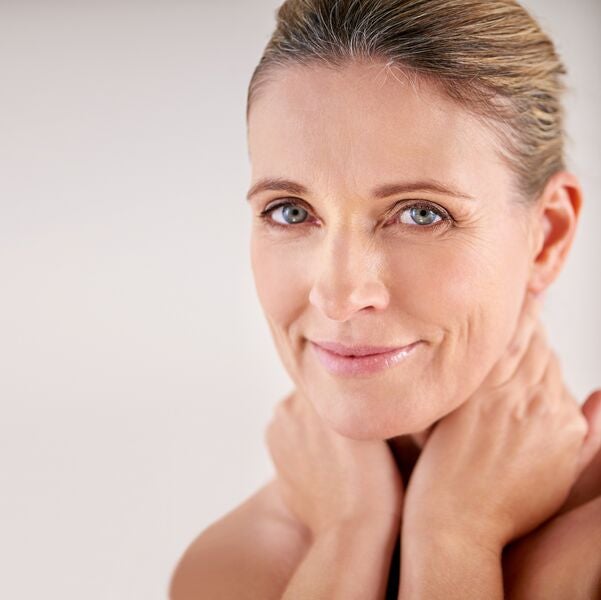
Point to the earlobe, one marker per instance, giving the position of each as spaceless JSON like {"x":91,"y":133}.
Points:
{"x":557,"y":213}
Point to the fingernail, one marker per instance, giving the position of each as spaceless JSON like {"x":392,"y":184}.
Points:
{"x":540,"y":296}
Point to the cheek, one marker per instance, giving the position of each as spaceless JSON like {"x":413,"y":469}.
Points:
{"x":466,"y":292}
{"x":279,"y":273}
{"x":447,"y":279}
{"x":439,"y":282}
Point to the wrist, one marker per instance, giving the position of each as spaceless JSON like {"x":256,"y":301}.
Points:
{"x":377,"y":525}
{"x":437,"y":529}
{"x":448,"y":563}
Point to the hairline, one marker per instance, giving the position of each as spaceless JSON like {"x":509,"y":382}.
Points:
{"x":501,"y":131}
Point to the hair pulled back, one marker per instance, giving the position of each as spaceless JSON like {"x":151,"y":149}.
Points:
{"x":490,"y":56}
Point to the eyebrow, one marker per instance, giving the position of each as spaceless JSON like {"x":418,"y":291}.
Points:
{"x":382,"y":191}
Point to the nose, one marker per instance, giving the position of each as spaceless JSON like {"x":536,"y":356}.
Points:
{"x":348,"y":277}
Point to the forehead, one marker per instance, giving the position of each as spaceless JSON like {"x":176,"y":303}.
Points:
{"x":364,"y":124}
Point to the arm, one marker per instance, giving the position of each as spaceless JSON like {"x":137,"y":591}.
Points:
{"x":440,"y":563}
{"x":349,"y":561}
{"x":489,"y":473}
{"x":347,"y":493}
{"x":249,"y":553}
{"x":560,"y":559}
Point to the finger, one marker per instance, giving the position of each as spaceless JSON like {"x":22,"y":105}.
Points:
{"x":591,"y":410}
{"x":299,"y":406}
{"x":549,"y":393}
{"x":589,"y":465}
{"x":291,"y":400}
{"x":531,"y":369}
{"x":303,"y":407}
{"x":510,"y":359}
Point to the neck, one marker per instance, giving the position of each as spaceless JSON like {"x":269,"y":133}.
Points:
{"x":420,"y":437}
{"x":406,"y":449}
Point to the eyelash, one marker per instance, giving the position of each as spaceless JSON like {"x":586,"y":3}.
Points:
{"x":446,"y":218}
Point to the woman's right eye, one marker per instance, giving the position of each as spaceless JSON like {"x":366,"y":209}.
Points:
{"x":290,"y":214}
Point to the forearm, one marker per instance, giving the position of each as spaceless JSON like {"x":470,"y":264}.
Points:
{"x":438,"y":564}
{"x":561,"y":559}
{"x":350,"y":561}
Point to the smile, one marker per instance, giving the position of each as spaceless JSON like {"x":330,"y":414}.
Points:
{"x":368,"y":364}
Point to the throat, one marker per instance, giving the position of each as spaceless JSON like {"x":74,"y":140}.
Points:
{"x":406,"y":450}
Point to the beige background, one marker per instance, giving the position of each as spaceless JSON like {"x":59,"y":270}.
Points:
{"x":136,"y":371}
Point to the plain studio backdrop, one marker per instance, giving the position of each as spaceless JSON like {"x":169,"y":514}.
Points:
{"x":137,"y":373}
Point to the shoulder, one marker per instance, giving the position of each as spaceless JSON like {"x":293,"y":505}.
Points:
{"x":561,"y":559}
{"x":586,"y":487}
{"x":251,"y":552}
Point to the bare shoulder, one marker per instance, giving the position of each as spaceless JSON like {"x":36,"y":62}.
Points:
{"x":559,"y":560}
{"x":249,"y":553}
{"x":587,"y":487}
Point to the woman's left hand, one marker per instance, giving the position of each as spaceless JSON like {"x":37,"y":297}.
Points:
{"x":327,"y":479}
{"x":562,"y":557}
{"x":504,"y":461}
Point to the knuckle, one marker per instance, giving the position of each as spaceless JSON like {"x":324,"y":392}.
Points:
{"x":538,"y":395}
{"x":537,"y":392}
{"x":281,"y":407}
{"x":577,"y":425}
{"x":501,"y":374}
{"x":513,"y":349}
{"x":538,"y":400}
{"x":519,"y":411}
{"x":581,"y":424}
{"x":289,"y":404}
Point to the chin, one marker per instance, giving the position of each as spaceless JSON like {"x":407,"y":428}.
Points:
{"x":362,"y":419}
{"x":363,"y":432}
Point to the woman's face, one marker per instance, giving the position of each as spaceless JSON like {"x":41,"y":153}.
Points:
{"x":342,"y":263}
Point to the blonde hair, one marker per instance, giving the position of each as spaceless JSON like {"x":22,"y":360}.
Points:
{"x":490,"y":56}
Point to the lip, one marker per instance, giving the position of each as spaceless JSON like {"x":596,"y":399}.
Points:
{"x":360,"y":350}
{"x":359,"y":360}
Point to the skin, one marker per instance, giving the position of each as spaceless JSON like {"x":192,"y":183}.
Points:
{"x":357,"y":273}
{"x":348,"y":266}
{"x":504,"y":475}
{"x":359,"y":270}
{"x":491,"y":471}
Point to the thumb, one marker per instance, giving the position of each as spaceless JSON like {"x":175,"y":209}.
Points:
{"x":587,"y":483}
{"x":591,"y":409}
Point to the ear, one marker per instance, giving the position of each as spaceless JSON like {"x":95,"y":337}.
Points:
{"x":554,"y":225}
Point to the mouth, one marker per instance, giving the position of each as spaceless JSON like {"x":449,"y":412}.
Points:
{"x":359,"y":360}
{"x":357,"y":350}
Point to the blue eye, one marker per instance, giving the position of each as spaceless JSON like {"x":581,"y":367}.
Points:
{"x":292,"y":214}
{"x":421,"y":214}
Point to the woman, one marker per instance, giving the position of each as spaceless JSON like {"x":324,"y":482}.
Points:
{"x":409,"y":199}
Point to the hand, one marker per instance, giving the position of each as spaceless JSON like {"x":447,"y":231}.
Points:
{"x":562,"y":558}
{"x":588,"y":485}
{"x":504,"y":461}
{"x":326,"y":479}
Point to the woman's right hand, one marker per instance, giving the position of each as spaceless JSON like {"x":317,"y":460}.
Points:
{"x":327,"y":480}
{"x":505,"y":460}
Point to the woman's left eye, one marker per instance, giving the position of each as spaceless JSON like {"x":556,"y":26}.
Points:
{"x":422,"y":214}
